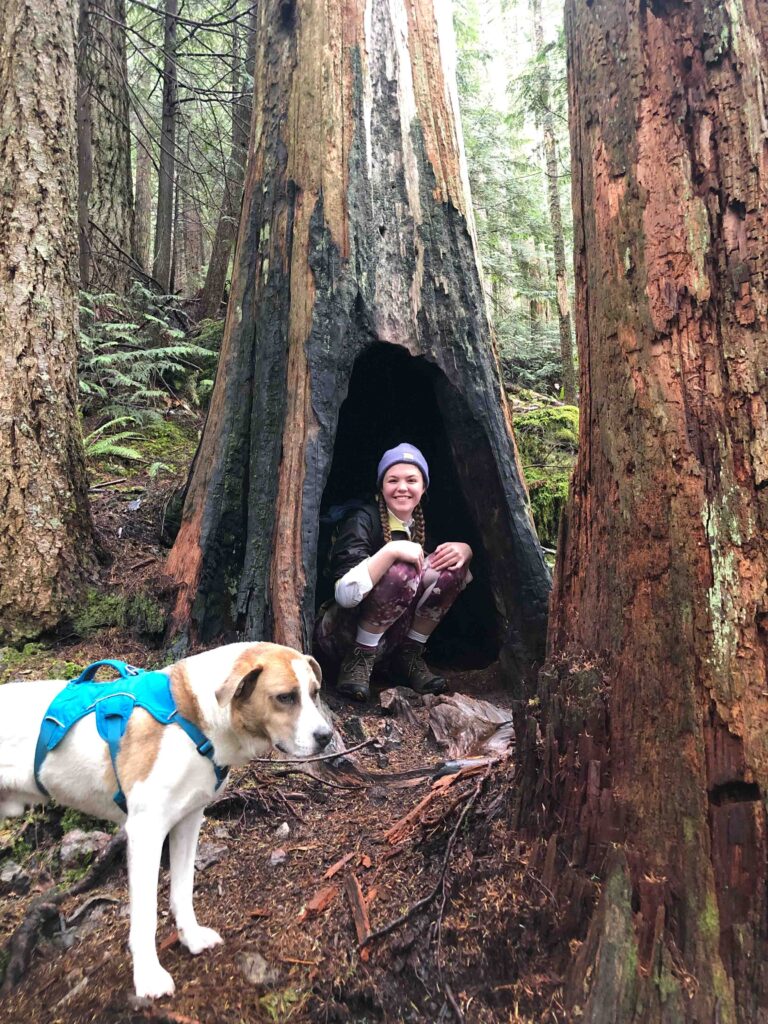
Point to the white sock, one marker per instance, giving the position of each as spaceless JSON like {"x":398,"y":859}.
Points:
{"x":366,"y":639}
{"x":419,"y":637}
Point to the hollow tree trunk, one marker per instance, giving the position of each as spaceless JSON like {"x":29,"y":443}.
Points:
{"x":104,"y":147}
{"x":226,"y":227}
{"x":356,"y":229}
{"x":163,"y":252}
{"x":45,"y":535}
{"x":660,"y":756}
{"x":555,"y":214}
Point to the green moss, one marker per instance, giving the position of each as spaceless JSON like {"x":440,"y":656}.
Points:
{"x":547,"y":438}
{"x":72,"y":819}
{"x":709,"y":920}
{"x":210,"y":333}
{"x":138,"y":612}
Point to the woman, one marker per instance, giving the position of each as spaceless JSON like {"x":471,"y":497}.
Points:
{"x":389,"y":596}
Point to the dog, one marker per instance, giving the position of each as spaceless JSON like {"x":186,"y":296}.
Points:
{"x":246,"y":698}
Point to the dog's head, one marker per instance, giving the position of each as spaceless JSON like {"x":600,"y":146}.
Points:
{"x":272,"y":692}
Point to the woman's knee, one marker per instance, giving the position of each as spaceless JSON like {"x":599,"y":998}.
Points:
{"x":401,"y":574}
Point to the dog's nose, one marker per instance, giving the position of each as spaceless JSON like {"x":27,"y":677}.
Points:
{"x":322,"y":737}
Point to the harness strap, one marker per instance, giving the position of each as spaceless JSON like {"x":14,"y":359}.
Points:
{"x":202,"y":743}
{"x":123,"y":669}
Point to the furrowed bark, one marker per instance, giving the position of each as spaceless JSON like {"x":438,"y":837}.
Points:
{"x":46,"y":544}
{"x":104,"y":147}
{"x":163,"y":251}
{"x":654,"y":738}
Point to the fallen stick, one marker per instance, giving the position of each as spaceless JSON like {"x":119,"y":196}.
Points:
{"x":24,"y":939}
{"x":359,"y":909}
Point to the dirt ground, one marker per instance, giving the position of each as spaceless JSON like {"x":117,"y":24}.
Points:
{"x":289,"y":861}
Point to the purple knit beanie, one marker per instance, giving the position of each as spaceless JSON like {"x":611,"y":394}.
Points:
{"x":402,"y":452}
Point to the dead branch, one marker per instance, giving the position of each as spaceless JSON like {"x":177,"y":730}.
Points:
{"x":359,"y":908}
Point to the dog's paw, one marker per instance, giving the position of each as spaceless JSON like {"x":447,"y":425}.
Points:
{"x":153,"y":982}
{"x":198,"y":939}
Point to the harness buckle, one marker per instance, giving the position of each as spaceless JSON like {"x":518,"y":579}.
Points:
{"x":205,"y":747}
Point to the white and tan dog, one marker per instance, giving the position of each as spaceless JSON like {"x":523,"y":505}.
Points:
{"x":246,"y":698}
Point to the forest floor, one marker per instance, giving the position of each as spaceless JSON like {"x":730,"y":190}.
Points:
{"x":295,"y":870}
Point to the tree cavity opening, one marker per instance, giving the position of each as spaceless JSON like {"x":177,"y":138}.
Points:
{"x":393,"y":397}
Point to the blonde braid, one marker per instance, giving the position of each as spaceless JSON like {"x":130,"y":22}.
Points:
{"x":384,"y":517}
{"x":418,"y":521}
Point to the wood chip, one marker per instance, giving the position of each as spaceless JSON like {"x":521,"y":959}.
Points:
{"x":359,"y":909}
{"x":319,"y":902}
{"x":365,"y":861}
{"x":259,"y":912}
{"x":335,"y":868}
{"x":169,"y":941}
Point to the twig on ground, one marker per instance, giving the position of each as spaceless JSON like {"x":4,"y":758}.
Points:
{"x":454,"y":1004}
{"x":307,"y":760}
{"x":108,"y":483}
{"x":24,"y":939}
{"x":420,"y":904}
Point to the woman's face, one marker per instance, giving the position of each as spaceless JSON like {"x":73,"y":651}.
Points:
{"x":402,"y":487}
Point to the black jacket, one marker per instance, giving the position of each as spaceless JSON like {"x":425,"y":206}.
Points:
{"x":359,"y":536}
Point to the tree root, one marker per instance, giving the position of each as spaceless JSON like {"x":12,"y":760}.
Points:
{"x":46,"y":907}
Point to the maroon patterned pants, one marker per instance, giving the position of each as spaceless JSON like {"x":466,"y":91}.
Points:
{"x":402,"y":593}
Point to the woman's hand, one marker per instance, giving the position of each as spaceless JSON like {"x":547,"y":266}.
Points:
{"x":452,"y":555}
{"x":406,"y":551}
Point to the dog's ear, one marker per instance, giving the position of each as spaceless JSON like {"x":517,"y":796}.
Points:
{"x":315,"y":668}
{"x":238,"y":684}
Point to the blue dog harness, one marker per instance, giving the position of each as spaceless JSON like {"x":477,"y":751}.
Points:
{"x":113,"y":703}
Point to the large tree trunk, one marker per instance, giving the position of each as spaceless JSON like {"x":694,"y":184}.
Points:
{"x":356,"y":277}
{"x":163,"y":252}
{"x":660,"y":755}
{"x":104,"y":147}
{"x":555,"y":214}
{"x":226,"y":228}
{"x":45,"y":535}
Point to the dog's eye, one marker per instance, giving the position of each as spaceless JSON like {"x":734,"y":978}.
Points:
{"x":286,"y":698}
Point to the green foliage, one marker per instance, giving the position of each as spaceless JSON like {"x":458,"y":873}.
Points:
{"x":507,"y":171}
{"x":107,"y":443}
{"x":135,"y":359}
{"x":548,"y":438}
{"x":72,"y":819}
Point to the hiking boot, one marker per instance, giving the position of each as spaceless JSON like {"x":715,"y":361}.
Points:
{"x":407,"y":665}
{"x":355,"y":673}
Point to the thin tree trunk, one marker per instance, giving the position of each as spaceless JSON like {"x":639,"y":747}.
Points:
{"x":655,"y":761}
{"x":555,"y":215}
{"x":143,"y":209}
{"x":356,"y":229}
{"x":45,"y":531}
{"x":163,"y":253}
{"x":84,"y":146}
{"x":226,"y":228}
{"x":104,"y":147}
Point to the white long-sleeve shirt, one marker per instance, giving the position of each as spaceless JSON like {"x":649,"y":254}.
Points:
{"x":355,"y":585}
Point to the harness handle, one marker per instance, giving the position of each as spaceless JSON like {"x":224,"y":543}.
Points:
{"x":124,"y":670}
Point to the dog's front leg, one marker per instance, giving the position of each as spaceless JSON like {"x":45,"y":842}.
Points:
{"x":146,"y":833}
{"x":183,"y":847}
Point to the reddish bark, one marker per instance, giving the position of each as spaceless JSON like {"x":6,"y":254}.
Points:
{"x":659,"y":754}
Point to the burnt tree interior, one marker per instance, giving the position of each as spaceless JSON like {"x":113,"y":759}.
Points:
{"x":394,"y":397}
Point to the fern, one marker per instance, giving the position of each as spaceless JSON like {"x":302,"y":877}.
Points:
{"x":100,"y":444}
{"x":134,"y":358}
